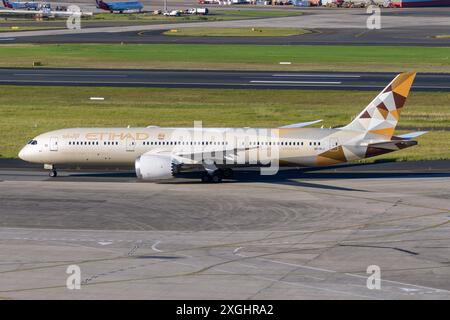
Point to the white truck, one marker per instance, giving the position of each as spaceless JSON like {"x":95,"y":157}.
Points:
{"x":173,"y":13}
{"x":202,"y":11}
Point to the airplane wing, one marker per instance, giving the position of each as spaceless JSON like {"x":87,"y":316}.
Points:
{"x":300,"y":125}
{"x":213,"y":155}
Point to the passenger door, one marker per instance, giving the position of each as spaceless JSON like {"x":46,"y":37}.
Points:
{"x":334,"y":144}
{"x":53,"y":144}
{"x":130,"y":144}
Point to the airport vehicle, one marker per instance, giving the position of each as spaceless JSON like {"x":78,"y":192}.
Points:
{"x":120,"y":6}
{"x":173,"y":13}
{"x":21,"y":5}
{"x":202,"y":11}
{"x":160,"y":153}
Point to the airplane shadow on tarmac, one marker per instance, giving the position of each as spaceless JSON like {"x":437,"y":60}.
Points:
{"x":294,"y":176}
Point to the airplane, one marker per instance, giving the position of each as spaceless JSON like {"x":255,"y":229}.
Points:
{"x":120,"y":6}
{"x":21,"y":5}
{"x":43,"y":11}
{"x":161,"y":153}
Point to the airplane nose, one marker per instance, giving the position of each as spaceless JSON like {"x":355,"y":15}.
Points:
{"x":23,"y":154}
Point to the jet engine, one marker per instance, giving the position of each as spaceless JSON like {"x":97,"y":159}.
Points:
{"x":154,"y":167}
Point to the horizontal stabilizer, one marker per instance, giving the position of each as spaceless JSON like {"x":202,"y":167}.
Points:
{"x":412,"y":135}
{"x":393,"y":144}
{"x":300,"y":125}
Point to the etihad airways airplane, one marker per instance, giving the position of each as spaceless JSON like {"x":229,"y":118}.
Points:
{"x":161,"y":153}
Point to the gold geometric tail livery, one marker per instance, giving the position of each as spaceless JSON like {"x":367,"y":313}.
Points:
{"x":371,"y":132}
{"x":161,"y":153}
{"x":381,"y":116}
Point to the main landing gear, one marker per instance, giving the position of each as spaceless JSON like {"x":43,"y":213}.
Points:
{"x":53,"y":173}
{"x":217,"y":175}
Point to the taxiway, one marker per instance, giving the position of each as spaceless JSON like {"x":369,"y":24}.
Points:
{"x":293,"y":236}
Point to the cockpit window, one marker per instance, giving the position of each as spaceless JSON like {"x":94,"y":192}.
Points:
{"x":33,"y":142}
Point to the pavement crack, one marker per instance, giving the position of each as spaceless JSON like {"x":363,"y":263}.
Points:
{"x":379,"y":247}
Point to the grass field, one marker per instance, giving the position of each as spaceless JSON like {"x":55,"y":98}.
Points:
{"x":250,"y":57}
{"x":214,"y":15}
{"x":236,"y":32}
{"x":28,"y":111}
{"x":24,"y":28}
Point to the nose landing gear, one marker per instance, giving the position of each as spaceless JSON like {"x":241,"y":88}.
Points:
{"x":52,"y":169}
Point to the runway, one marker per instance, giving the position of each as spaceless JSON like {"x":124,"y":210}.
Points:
{"x":215,"y":79}
{"x":299,"y":235}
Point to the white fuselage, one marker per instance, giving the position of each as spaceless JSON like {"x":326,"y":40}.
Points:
{"x":122,"y":146}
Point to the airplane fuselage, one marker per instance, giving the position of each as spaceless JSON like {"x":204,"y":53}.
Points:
{"x":122,"y":146}
{"x":120,"y":6}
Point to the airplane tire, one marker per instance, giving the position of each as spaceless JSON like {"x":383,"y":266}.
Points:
{"x":53,"y":173}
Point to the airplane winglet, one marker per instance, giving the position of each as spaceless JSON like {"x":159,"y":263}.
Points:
{"x":412,"y":135}
{"x":300,"y":125}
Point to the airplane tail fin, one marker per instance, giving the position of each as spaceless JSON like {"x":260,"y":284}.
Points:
{"x":6,"y":4}
{"x":102,"y":5}
{"x":381,"y":116}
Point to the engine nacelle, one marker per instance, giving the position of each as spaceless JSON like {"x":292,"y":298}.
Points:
{"x":154,"y":167}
